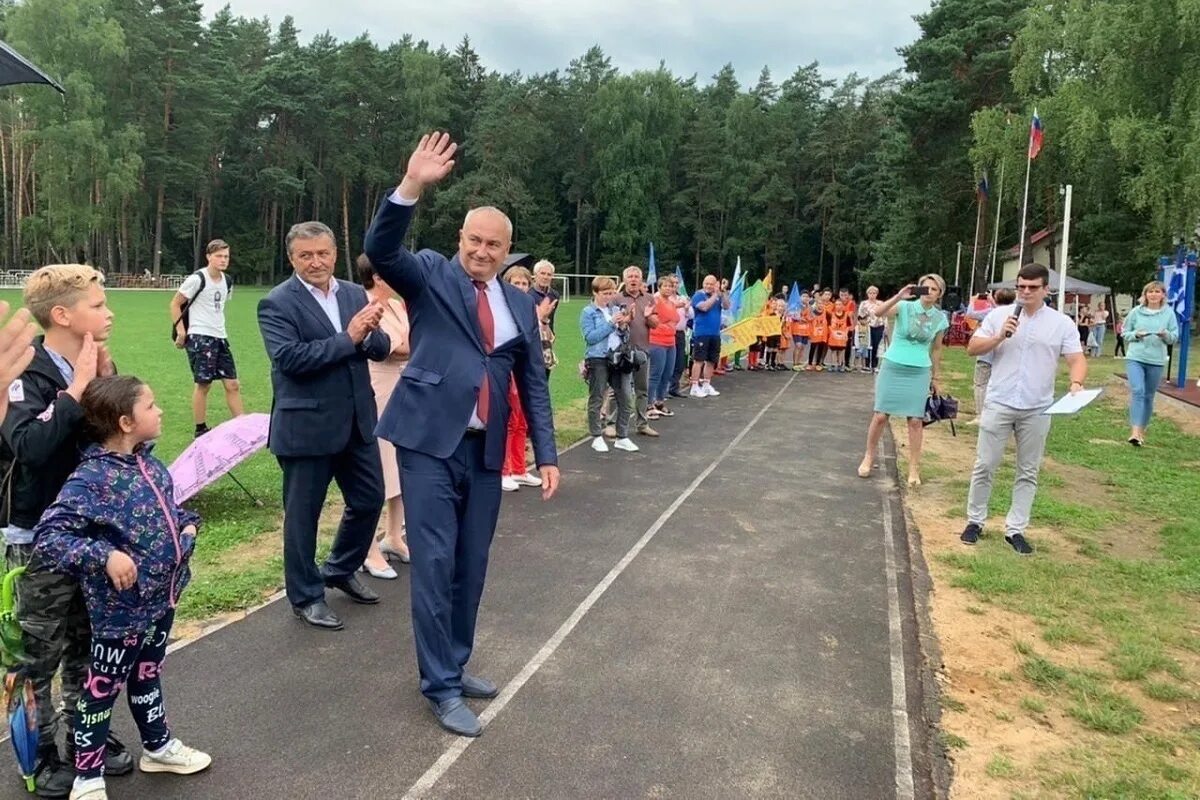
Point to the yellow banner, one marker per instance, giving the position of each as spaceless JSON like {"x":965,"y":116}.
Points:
{"x":742,"y":334}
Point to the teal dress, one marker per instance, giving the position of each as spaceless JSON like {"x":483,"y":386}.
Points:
{"x":903,"y":382}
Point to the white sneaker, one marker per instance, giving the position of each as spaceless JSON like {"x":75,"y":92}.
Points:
{"x":508,"y":483}
{"x":697,"y":391}
{"x":528,"y":479}
{"x":626,"y":444}
{"x":599,"y":445}
{"x":709,"y":391}
{"x":176,"y":757}
{"x":89,"y":790}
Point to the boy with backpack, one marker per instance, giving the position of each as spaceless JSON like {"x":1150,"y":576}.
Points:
{"x":198,"y":325}
{"x":41,"y":441}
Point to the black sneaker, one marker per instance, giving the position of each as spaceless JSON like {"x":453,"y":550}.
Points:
{"x":971,"y":533}
{"x":117,"y":760}
{"x":1019,"y":544}
{"x":676,"y":393}
{"x":201,"y":430}
{"x":53,"y":777}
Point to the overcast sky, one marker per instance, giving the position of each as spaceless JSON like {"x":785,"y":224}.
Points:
{"x":692,"y":36}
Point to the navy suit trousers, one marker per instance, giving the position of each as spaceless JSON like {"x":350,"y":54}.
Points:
{"x":449,"y":534}
{"x":359,"y":475}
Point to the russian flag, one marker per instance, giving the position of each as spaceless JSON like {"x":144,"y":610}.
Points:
{"x":1035,"y":136}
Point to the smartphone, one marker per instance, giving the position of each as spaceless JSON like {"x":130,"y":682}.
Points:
{"x":920,"y":291}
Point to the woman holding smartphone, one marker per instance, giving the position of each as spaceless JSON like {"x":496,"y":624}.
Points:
{"x":910,"y":368}
{"x":1150,"y":327}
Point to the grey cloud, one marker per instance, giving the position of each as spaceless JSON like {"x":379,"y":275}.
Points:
{"x":691,"y":37}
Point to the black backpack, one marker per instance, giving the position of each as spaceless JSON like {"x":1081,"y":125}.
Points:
{"x":183,"y":311}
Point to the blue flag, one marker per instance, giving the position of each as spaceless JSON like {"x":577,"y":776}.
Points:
{"x":679,"y":277}
{"x":651,"y":272}
{"x":793,"y":305}
{"x":735,"y":296}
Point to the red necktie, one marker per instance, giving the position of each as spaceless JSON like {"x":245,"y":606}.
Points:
{"x":487,"y":325}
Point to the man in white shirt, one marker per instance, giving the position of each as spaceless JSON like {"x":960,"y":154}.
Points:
{"x":1025,"y":342}
{"x":204,"y":294}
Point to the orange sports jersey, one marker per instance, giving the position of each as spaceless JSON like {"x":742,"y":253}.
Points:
{"x":803,"y":326}
{"x":839,"y":329}
{"x":820,"y":328}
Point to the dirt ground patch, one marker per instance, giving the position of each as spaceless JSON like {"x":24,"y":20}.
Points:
{"x":1001,"y":735}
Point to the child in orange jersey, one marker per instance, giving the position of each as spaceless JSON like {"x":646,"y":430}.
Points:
{"x":839,"y":335}
{"x":819,"y":337}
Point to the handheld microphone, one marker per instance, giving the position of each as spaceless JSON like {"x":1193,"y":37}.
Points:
{"x":1015,"y":315}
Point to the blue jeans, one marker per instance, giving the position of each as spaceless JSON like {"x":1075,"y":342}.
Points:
{"x":1098,"y":335}
{"x":1143,"y":385}
{"x":662,"y":369}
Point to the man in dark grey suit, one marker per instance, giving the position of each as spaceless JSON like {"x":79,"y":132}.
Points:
{"x":319,"y":333}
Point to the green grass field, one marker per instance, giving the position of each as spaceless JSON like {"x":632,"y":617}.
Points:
{"x":238,"y":561}
{"x":1113,"y":594}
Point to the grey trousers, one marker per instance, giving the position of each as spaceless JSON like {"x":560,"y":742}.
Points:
{"x":983,"y":373}
{"x":996,"y":425}
{"x":641,"y":389}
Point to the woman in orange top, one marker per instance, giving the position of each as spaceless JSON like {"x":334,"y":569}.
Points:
{"x":839,"y":335}
{"x":662,"y":348}
{"x":818,"y":338}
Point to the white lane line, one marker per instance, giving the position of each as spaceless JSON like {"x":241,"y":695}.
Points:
{"x":460,"y":745}
{"x":903,"y":746}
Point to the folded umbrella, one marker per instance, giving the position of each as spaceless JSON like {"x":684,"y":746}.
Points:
{"x":217,"y":452}
{"x":22,"y":724}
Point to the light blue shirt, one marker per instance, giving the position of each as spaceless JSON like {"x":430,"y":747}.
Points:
{"x":328,"y":302}
{"x":504,"y":324}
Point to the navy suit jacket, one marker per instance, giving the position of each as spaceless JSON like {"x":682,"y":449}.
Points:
{"x":439,"y":387}
{"x":322,"y":390}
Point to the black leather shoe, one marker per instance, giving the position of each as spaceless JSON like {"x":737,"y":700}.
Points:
{"x":454,"y":716}
{"x":482,"y":688}
{"x":319,"y":615}
{"x":353,"y":587}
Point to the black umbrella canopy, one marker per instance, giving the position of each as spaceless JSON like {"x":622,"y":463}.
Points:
{"x":15,"y":68}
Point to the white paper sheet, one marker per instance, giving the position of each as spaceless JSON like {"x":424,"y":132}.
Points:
{"x":1073,"y":403}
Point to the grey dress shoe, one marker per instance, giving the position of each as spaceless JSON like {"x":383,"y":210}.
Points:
{"x":474,"y":686}
{"x":454,"y":716}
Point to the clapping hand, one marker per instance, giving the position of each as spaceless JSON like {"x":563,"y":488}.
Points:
{"x":366,"y":320}
{"x":86,"y":367}
{"x":15,"y":340}
{"x":546,"y":308}
{"x":430,"y":162}
{"x":104,"y":362}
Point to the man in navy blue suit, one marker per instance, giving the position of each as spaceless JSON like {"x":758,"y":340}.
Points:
{"x":469,"y":335}
{"x":319,"y":333}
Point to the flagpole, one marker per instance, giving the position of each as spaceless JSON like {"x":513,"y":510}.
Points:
{"x":975,"y":247}
{"x":1025,"y":202}
{"x":996,"y":229}
{"x":957,"y":264}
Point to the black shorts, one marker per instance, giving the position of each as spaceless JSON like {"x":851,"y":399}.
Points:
{"x":773,"y":342}
{"x":210,"y":359}
{"x":706,"y":348}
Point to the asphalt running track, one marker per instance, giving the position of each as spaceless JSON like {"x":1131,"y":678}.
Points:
{"x":728,"y":613}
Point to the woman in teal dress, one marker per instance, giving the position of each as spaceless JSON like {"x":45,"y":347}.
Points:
{"x":910,"y":368}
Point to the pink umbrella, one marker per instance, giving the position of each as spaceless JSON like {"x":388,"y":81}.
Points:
{"x":217,"y":452}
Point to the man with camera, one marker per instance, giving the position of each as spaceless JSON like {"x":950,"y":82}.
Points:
{"x":639,"y":304}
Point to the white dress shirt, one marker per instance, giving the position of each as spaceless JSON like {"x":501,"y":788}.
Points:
{"x":1023,"y":367}
{"x":504,"y":324}
{"x":328,"y":302}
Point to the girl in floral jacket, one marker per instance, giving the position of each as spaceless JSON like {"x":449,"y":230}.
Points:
{"x":115,"y":527}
